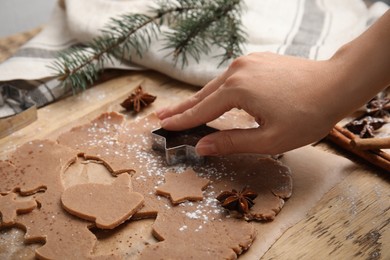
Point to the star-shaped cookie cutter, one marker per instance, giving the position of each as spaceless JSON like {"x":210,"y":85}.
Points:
{"x":179,"y":146}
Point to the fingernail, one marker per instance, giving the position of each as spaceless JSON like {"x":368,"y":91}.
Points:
{"x":160,"y":112}
{"x":206,"y":148}
{"x":164,"y":122}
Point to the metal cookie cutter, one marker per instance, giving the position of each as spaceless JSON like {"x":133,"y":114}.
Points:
{"x":179,"y":146}
{"x":18,"y":99}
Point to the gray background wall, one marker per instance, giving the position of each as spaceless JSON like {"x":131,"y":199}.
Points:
{"x":23,"y":15}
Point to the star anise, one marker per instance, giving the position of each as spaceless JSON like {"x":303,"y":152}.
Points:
{"x":365,"y":127}
{"x":379,"y":107}
{"x":137,"y":100}
{"x":240,"y":201}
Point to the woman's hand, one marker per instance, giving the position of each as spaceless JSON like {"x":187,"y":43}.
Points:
{"x":295,"y":101}
{"x":285,"y":95}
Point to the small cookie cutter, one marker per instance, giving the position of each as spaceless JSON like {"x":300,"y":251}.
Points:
{"x":185,"y":152}
{"x":18,"y":98}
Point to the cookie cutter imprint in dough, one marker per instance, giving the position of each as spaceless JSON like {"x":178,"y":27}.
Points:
{"x":185,"y":151}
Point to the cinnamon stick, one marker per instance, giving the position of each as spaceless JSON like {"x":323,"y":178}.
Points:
{"x":371,"y":143}
{"x":343,"y":137}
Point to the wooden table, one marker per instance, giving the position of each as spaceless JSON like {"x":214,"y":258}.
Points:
{"x":352,"y":221}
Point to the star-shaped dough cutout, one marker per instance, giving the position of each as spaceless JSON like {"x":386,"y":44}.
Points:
{"x":180,"y":187}
{"x":9,"y":207}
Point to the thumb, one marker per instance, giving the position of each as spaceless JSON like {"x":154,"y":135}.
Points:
{"x":224,"y":142}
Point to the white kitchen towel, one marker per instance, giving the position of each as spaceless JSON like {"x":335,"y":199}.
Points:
{"x":313,"y":29}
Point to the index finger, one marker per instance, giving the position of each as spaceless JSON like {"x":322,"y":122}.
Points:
{"x":209,"y":88}
{"x":213,"y":106}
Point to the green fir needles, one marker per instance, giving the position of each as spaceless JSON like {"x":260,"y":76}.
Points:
{"x":195,"y":26}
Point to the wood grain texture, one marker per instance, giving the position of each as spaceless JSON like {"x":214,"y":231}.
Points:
{"x":352,"y":221}
{"x":349,"y":222}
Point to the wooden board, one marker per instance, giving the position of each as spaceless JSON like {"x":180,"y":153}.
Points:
{"x":11,"y":124}
{"x":351,"y":221}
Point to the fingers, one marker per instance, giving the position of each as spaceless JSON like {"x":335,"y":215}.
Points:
{"x":192,"y":101}
{"x":213,"y":106}
{"x":254,"y":140}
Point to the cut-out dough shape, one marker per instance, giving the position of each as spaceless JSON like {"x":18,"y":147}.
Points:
{"x":98,"y":140}
{"x":9,"y":207}
{"x":182,"y":187}
{"x":107,"y":205}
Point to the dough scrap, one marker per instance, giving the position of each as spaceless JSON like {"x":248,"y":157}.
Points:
{"x":107,"y":205}
{"x":125,"y":146}
{"x":38,"y":167}
{"x":180,"y":187}
{"x":195,"y":238}
{"x":10,"y":206}
{"x":10,"y":177}
{"x":268,"y":177}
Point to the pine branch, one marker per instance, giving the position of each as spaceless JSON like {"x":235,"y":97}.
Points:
{"x":215,"y":23}
{"x":196,"y":26}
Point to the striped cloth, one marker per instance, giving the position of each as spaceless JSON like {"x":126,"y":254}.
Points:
{"x":313,"y":29}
